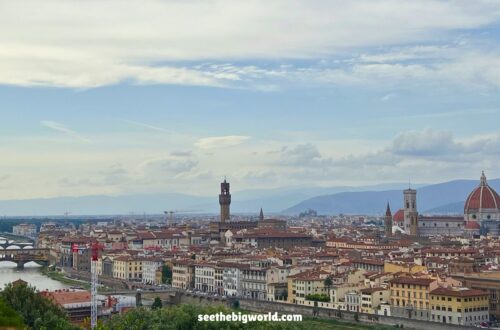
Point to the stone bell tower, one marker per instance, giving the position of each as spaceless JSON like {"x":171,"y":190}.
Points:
{"x":388,"y":221}
{"x":410,"y":212}
{"x":224,"y":201}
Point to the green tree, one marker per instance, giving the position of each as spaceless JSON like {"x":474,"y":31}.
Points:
{"x":318,"y":297}
{"x":328,"y":284}
{"x":37,"y":311}
{"x":9,"y":318}
{"x":186,"y":317}
{"x":166,"y":274}
{"x":157,"y":304}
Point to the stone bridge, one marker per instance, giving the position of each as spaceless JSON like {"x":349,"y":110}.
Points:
{"x":22,"y":256}
{"x":4,"y":245}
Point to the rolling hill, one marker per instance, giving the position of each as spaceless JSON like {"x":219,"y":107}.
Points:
{"x":445,"y":197}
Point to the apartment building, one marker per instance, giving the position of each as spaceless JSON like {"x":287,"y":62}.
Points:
{"x":409,"y":296}
{"x":127,"y":268}
{"x":231,"y":279}
{"x":183,"y":276}
{"x":276,"y":283}
{"x":459,"y":306}
{"x":301,"y":285}
{"x":204,"y":277}
{"x":253,"y":283}
{"x":372,"y":298}
{"x":152,"y":271}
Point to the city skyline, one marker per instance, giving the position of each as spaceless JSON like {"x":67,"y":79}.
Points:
{"x":96,"y":100}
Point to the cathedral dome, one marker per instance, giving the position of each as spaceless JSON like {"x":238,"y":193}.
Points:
{"x":482,"y":197}
{"x":399,"y":216}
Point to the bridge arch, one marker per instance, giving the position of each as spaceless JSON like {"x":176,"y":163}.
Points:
{"x":27,"y":247}
{"x":13,"y":247}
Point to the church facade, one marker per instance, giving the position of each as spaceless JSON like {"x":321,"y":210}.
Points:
{"x":481,"y":216}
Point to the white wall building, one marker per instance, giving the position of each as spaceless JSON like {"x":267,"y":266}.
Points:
{"x":231,"y":278}
{"x":204,"y":277}
{"x":150,"y":269}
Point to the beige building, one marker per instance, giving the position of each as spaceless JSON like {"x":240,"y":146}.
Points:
{"x":114,"y":235}
{"x":459,"y":306}
{"x":304,"y":284}
{"x":183,"y":274}
{"x":127,"y":268}
{"x":372,"y":298}
{"x":276,"y":280}
{"x":410,"y":296}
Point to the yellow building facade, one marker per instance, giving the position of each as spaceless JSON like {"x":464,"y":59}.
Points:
{"x":459,"y":306}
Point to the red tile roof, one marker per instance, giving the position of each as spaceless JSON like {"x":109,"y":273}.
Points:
{"x":459,"y":293}
{"x":62,"y":297}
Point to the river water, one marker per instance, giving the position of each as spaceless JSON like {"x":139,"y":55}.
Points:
{"x":31,"y":274}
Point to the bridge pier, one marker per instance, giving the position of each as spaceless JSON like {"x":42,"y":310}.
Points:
{"x":20,"y":265}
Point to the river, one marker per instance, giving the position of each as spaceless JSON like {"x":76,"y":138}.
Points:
{"x":32,"y":273}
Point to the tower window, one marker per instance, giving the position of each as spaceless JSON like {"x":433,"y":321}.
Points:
{"x":407,"y":205}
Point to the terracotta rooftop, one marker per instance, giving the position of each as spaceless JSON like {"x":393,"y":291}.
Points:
{"x":412,"y":280}
{"x":63,"y":297}
{"x":371,"y":290}
{"x":459,"y":293}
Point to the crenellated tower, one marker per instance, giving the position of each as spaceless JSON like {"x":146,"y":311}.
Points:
{"x":224,"y":201}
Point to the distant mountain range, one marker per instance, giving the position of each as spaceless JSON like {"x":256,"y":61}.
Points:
{"x":443,"y":198}
{"x":245,"y":201}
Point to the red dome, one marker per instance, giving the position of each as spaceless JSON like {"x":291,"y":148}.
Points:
{"x":399,"y":216}
{"x":472,"y":225}
{"x":482,"y":197}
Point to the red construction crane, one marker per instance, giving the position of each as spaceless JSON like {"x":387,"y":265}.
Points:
{"x":95,"y":247}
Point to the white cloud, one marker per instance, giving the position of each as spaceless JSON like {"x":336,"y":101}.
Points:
{"x":167,"y":166}
{"x":427,"y":142}
{"x":300,"y":155}
{"x":220,"y":141}
{"x":187,"y":153}
{"x":93,"y":43}
{"x":148,"y":126}
{"x":388,"y":97}
{"x":63,"y":129}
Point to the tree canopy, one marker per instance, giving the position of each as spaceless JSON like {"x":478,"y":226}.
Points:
{"x":157,"y":303}
{"x":166,"y":274}
{"x":186,"y":317}
{"x":37,"y":311}
{"x":9,"y":318}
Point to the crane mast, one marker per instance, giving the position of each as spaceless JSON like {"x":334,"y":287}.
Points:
{"x":94,"y":282}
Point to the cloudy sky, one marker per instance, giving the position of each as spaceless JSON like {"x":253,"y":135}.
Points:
{"x":118,"y":97}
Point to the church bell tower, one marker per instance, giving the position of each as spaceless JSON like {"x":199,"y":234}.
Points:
{"x":388,"y":221}
{"x":410,"y":212}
